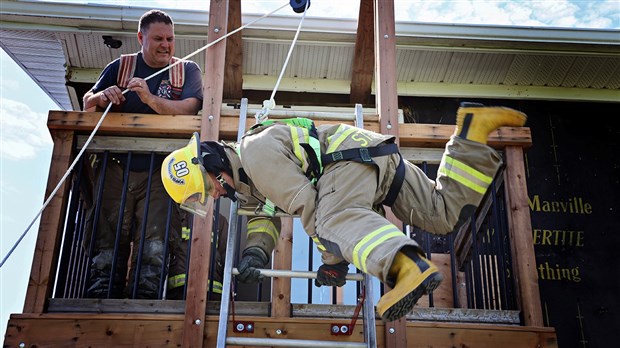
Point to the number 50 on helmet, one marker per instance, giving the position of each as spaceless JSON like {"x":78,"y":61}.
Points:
{"x":185,"y":178}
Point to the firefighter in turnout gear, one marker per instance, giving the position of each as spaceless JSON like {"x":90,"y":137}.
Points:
{"x":275,"y":166}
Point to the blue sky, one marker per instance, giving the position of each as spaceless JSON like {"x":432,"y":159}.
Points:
{"x":25,"y":143}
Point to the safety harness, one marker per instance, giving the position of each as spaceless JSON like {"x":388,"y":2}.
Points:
{"x":318,"y":161}
{"x":365,"y":155}
{"x":309,"y":141}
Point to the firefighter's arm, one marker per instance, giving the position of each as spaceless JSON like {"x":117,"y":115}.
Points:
{"x":262,"y":236}
{"x":269,"y":161}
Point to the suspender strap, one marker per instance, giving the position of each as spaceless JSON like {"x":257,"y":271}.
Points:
{"x":362,"y":154}
{"x":314,"y":170}
{"x":126,"y":69}
{"x":177,"y":73}
{"x":397,"y":183}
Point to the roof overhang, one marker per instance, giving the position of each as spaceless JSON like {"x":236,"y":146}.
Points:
{"x":432,"y":59}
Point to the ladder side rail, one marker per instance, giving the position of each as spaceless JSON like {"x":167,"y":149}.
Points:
{"x":233,"y":232}
{"x":370,"y":329}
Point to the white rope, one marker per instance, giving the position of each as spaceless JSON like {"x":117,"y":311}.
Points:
{"x":270,"y":104}
{"x":88,"y":141}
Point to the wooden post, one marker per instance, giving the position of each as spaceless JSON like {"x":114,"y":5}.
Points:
{"x":523,"y":257}
{"x":233,"y":83}
{"x":385,"y":66}
{"x":281,"y":293}
{"x":387,"y":107}
{"x":45,"y":257}
{"x":361,"y":78}
{"x":196,"y":299}
{"x":214,"y":71}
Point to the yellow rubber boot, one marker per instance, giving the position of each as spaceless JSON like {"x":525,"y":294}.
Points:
{"x":475,"y":121}
{"x":415,"y":276}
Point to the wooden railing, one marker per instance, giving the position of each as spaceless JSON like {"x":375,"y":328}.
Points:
{"x":69,"y":129}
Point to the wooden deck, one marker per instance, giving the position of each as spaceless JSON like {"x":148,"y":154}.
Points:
{"x":166,"y":330}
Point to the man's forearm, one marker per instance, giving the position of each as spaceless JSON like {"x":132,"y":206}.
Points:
{"x":189,"y":106}
{"x":90,"y":101}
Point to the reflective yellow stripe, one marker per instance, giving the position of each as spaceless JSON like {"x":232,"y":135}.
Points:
{"x":263,"y":226}
{"x":466,"y":175}
{"x":364,"y":247}
{"x":296,"y":147}
{"x":300,"y":136}
{"x":176,"y":281}
{"x":217,"y":286}
{"x":185,"y":231}
{"x":269,"y":208}
{"x":318,"y":244}
{"x":237,"y":148}
{"x":337,"y":139}
{"x":179,"y":280}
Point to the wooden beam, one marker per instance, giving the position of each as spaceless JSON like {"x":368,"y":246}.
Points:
{"x":200,"y":256}
{"x":446,"y":314}
{"x":43,"y":271}
{"x":127,"y":124}
{"x":165,"y":330}
{"x":522,"y":245}
{"x":233,"y":71}
{"x":363,"y":72}
{"x":214,"y":71}
{"x":182,"y":126}
{"x":385,"y":66}
{"x":282,"y":259}
{"x":387,"y":106}
{"x":198,"y":272}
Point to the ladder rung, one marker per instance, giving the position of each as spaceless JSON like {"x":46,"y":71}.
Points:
{"x":271,"y":273}
{"x":285,"y":342}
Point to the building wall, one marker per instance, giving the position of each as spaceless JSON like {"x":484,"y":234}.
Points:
{"x":573,"y":177}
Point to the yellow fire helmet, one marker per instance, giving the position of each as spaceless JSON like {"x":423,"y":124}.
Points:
{"x":186,"y":179}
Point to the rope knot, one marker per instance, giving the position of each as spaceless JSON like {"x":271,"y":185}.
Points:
{"x":262,"y":115}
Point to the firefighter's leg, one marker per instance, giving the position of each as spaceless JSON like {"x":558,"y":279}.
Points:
{"x":443,"y":205}
{"x":151,"y":268}
{"x":177,"y":274}
{"x":348,"y":227}
{"x":474,"y":121}
{"x":413,"y":276}
{"x":105,"y":235}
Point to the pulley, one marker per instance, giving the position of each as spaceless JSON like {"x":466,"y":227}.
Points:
{"x":299,"y":6}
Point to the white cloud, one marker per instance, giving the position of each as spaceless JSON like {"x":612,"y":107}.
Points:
{"x":541,"y":13}
{"x":24,"y":132}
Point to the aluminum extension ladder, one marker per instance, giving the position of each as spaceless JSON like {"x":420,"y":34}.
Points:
{"x":223,"y":340}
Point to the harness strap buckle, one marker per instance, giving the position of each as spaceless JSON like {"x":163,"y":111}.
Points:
{"x":364,"y":155}
{"x":337,"y":156}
